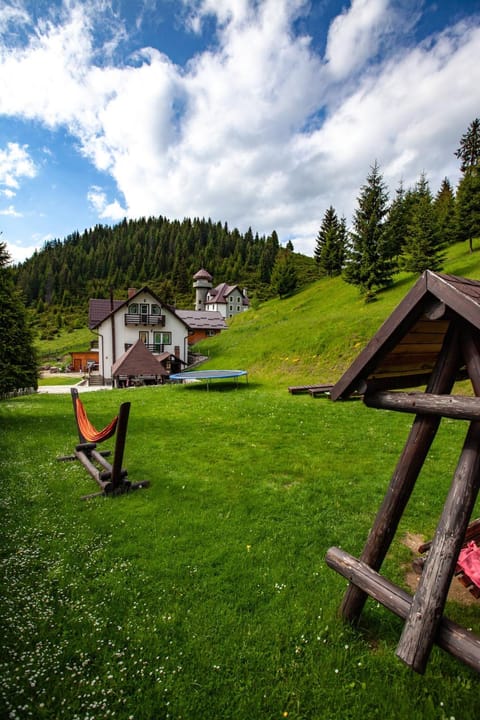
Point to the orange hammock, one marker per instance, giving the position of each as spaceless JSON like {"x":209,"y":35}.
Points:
{"x":86,"y":428}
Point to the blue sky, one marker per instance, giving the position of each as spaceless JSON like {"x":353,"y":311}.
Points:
{"x":259,"y":113}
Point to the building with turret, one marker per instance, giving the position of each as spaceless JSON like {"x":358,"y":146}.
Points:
{"x":226,"y":299}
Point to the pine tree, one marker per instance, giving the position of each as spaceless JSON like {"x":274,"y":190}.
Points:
{"x":444,"y":205}
{"x":18,"y":365}
{"x":284,"y":276}
{"x":396,"y":224}
{"x":468,"y":207}
{"x":468,"y":191}
{"x":330,"y":247}
{"x":423,"y":248}
{"x":469,"y":150}
{"x":368,"y":264}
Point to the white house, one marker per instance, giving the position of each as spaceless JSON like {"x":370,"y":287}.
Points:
{"x":143,"y":316}
{"x":228,"y":300}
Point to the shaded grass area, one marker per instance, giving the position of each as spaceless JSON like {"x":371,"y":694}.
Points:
{"x":207,"y":595}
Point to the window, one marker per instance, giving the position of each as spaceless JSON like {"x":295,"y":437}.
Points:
{"x":143,"y":335}
{"x":156,"y":309}
{"x":162,"y":338}
{"x":133,"y":309}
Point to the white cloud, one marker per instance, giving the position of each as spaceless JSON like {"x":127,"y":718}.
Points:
{"x":257,"y":130}
{"x":10,"y":210}
{"x":15,"y":163}
{"x":355,"y":35}
{"x":105,"y":210}
{"x":19,"y":253}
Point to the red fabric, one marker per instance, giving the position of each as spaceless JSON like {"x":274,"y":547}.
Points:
{"x":469,"y":562}
{"x":87,"y":429}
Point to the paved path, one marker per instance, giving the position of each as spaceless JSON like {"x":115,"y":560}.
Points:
{"x":65,"y":389}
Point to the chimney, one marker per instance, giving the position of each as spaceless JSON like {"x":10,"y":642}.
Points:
{"x":131,"y":292}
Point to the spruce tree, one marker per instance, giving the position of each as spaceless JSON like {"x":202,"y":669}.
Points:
{"x":469,"y":149}
{"x":444,"y":205}
{"x":468,"y":192}
{"x":368,"y":263}
{"x":330,"y":246}
{"x":423,"y":248}
{"x":396,"y":224}
{"x":18,"y":365}
{"x":284,"y":276}
{"x":468,"y":207}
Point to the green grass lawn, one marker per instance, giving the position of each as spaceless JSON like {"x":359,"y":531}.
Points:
{"x":207,"y":594}
{"x":60,"y":379}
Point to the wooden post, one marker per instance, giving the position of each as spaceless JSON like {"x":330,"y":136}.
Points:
{"x":74,"y":395}
{"x":451,"y":637}
{"x":429,"y":600}
{"x":121,"y":434}
{"x":405,"y":475}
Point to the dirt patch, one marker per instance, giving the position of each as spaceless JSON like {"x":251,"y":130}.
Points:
{"x":457,"y":592}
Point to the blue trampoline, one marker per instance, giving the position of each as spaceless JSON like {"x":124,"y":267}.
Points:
{"x":209,"y":375}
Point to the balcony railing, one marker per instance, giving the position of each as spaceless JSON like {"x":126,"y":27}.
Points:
{"x":155,"y":348}
{"x":144,"y":319}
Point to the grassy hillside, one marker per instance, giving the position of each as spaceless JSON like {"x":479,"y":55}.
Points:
{"x":314,"y":335}
{"x":310,"y":337}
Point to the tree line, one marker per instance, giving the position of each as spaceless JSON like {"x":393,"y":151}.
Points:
{"x":410,"y":233}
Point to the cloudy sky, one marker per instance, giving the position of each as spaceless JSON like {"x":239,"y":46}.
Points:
{"x":260,"y":113}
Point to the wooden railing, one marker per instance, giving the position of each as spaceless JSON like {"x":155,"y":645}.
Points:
{"x":144,"y":319}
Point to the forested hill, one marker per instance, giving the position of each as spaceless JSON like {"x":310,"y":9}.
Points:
{"x":158,"y":252}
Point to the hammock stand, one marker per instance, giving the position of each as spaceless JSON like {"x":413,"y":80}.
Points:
{"x":110,"y":477}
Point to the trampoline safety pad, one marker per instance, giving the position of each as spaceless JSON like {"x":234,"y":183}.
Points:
{"x":208,"y":375}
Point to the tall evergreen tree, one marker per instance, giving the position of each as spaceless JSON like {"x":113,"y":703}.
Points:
{"x":284,"y":275}
{"x":468,"y":191}
{"x":18,"y":366}
{"x":469,"y":149}
{"x":396,"y":224}
{"x":444,"y":205}
{"x":330,"y":246}
{"x":368,"y":263}
{"x":423,"y":248}
{"x":468,"y":207}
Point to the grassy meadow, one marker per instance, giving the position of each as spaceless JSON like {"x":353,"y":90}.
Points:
{"x":206,"y":595}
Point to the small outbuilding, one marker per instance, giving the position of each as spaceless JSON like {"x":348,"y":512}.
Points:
{"x":138,"y":366}
{"x":430,"y":340}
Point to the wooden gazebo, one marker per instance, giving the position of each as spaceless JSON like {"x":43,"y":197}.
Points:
{"x":430,"y":340}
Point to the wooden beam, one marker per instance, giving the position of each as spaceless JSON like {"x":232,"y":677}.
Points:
{"x":451,"y":637}
{"x":405,"y":475}
{"x":429,"y":600}
{"x":427,"y":606}
{"x":453,"y":406}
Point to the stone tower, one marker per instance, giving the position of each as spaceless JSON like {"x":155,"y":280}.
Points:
{"x":202,"y":282}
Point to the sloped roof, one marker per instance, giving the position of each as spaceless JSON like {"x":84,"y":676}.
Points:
{"x":99,"y":310}
{"x":404,"y":350}
{"x":220,"y":294}
{"x":203,"y":274}
{"x":138,"y":361}
{"x":203,"y":319}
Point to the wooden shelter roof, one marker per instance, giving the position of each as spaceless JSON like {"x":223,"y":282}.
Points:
{"x":138,"y":361}
{"x":403,"y":352}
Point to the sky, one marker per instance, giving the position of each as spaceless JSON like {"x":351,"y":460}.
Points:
{"x":258,"y":113}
